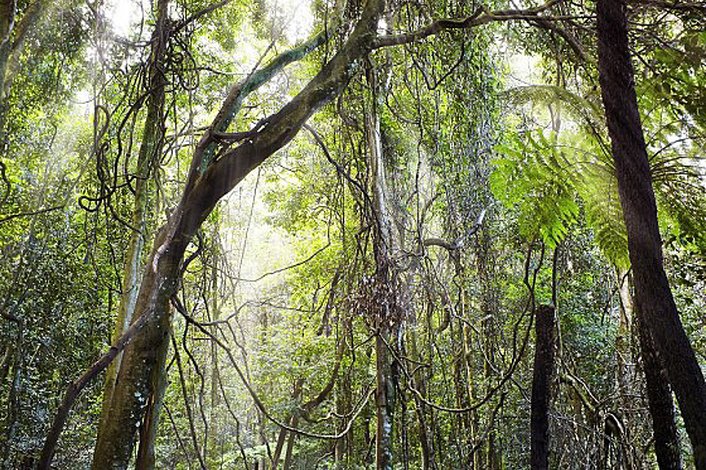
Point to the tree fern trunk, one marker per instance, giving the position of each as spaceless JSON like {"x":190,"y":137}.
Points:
{"x":541,"y":387}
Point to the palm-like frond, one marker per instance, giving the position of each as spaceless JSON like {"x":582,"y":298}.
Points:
{"x":546,"y":179}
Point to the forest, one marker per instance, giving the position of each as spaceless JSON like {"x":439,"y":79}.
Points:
{"x":353,"y":234}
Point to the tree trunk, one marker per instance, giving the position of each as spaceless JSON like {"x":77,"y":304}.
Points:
{"x":213,"y":439}
{"x":150,"y":424}
{"x":292,"y":421}
{"x":541,"y":387}
{"x":290,"y":446}
{"x":281,"y":438}
{"x":384,"y":401}
{"x":149,"y":153}
{"x":386,"y":243}
{"x":652,"y":292}
{"x":4,"y":56}
{"x":624,"y":372}
{"x":659,"y":396}
{"x":135,"y":384}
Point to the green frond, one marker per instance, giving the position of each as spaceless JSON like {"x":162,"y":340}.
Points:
{"x":535,"y":178}
{"x":545,"y":181}
{"x":604,"y":214}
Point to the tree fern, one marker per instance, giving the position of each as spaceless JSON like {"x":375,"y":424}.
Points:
{"x":545,"y":178}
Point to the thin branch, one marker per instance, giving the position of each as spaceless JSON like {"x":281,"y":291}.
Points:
{"x":29,"y":214}
{"x":460,"y":242}
{"x":679,"y":6}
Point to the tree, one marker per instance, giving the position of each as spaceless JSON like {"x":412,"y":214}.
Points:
{"x":652,"y":292}
{"x":208,"y":180}
{"x":150,"y":153}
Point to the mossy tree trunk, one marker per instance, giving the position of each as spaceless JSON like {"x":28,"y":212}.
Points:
{"x":386,"y":246}
{"x":149,"y":154}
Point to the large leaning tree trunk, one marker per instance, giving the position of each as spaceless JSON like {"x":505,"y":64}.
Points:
{"x":150,"y":152}
{"x":541,"y":387}
{"x":208,"y":181}
{"x":654,"y":301}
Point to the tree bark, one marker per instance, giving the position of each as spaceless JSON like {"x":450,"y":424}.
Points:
{"x":148,"y":428}
{"x":659,"y":393}
{"x":541,"y":387}
{"x":659,"y":397}
{"x":652,"y":291}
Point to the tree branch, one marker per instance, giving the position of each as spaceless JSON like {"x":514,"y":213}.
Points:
{"x":460,"y":242}
{"x":678,"y":6}
{"x":28,"y":214}
{"x":205,"y":189}
{"x":483,"y":16}
{"x":234,"y":101}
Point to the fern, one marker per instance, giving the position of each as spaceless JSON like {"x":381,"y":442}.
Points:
{"x":681,"y":195}
{"x":544,"y":178}
{"x":533,"y":178}
{"x":599,"y":191}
